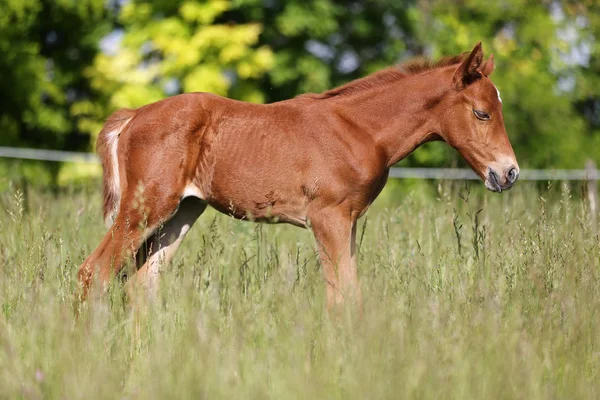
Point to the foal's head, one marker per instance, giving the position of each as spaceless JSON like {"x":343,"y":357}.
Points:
{"x":472,"y":122}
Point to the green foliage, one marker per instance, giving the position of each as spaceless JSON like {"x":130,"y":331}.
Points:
{"x":45,"y":46}
{"x":310,"y":46}
{"x":24,"y":171}
{"x":59,"y":85}
{"x":531,"y":54}
{"x":319,"y":44}
{"x":177,"y":43}
{"x":510,"y":314}
{"x":584,"y":18}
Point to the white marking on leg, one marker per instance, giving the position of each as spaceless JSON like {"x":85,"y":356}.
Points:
{"x":192,"y":190}
{"x":166,"y":242}
{"x":168,"y":246}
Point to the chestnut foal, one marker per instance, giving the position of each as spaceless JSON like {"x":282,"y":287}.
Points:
{"x":316,"y":161}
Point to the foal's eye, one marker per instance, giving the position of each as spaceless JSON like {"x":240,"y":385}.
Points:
{"x":482,"y":115}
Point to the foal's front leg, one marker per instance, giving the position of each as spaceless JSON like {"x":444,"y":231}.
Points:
{"x":335,"y":232}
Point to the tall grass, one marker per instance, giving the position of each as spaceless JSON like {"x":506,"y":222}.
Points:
{"x":466,"y":295}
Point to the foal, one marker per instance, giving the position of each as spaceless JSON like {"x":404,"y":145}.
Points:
{"x":316,"y":161}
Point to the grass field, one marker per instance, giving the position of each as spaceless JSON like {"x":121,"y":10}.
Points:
{"x":467,"y":295}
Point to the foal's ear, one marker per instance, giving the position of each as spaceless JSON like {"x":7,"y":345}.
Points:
{"x":488,"y":67}
{"x":469,"y":70}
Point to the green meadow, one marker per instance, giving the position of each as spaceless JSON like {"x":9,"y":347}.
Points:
{"x":466,"y":295}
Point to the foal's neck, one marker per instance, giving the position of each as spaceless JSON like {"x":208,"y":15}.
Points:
{"x":399,"y":116}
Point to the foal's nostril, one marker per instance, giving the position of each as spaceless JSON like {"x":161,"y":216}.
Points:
{"x":512,"y":175}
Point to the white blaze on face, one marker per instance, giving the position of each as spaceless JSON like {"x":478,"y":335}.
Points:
{"x":497,"y":91}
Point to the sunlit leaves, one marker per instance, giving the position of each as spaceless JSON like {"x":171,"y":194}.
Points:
{"x":203,"y":13}
{"x":317,"y":18}
{"x":45,"y":46}
{"x":185,"y":44}
{"x":206,"y":78}
{"x":531,"y":54}
{"x":57,"y":84}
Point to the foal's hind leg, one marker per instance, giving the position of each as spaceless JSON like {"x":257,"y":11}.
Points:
{"x":164,"y":244}
{"x":131,"y":228}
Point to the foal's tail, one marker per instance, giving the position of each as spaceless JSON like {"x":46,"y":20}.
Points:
{"x":107,"y":146}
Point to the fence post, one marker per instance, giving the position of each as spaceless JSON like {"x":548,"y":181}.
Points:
{"x":592,"y":189}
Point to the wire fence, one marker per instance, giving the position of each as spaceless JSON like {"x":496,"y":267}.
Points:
{"x":48,"y":155}
{"x":588,"y":174}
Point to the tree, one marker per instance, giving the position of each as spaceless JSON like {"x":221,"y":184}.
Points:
{"x":319,"y":44}
{"x":45,"y":46}
{"x":59,"y":87}
{"x":218,"y":46}
{"x":173,"y":47}
{"x":533,"y":71}
{"x":581,"y":24}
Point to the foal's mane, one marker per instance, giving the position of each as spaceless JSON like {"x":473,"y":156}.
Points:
{"x":388,"y":75}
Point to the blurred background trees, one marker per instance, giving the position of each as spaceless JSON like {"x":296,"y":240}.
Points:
{"x":67,"y":64}
{"x":46,"y":45}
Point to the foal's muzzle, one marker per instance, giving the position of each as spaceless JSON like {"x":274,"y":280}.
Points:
{"x":497,"y":182}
